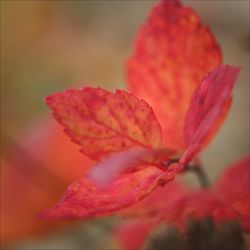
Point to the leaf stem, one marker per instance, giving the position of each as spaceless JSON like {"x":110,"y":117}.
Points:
{"x":202,"y":176}
{"x":196,"y":168}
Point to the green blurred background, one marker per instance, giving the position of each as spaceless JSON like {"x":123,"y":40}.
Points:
{"x":49,"y":46}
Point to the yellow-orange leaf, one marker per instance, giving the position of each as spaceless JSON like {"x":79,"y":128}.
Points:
{"x":103,"y":122}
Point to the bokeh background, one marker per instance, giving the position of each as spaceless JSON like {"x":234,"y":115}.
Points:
{"x":49,"y":46}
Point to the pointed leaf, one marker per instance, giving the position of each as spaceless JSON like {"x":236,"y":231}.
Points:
{"x":208,"y":108}
{"x":173,"y":52}
{"x":84,"y":199}
{"x":102,"y":122}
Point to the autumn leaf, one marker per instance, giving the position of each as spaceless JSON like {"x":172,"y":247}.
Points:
{"x":172,"y":53}
{"x":123,"y":133}
{"x":84,"y":199}
{"x":233,"y":188}
{"x":132,"y":234}
{"x":130,"y":160}
{"x":227,"y":200}
{"x":37,"y":167}
{"x":103,"y":123}
{"x":214,"y":90}
{"x":197,"y":205}
{"x":175,"y":203}
{"x":158,"y":203}
{"x":208,"y":108}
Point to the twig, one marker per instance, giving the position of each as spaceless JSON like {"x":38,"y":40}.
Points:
{"x":202,"y":176}
{"x":196,"y":167}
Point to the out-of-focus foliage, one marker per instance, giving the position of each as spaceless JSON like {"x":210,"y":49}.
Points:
{"x":37,"y":167}
{"x":49,"y":45}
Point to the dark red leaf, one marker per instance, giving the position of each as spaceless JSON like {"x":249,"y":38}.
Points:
{"x":233,"y":188}
{"x":208,"y":108}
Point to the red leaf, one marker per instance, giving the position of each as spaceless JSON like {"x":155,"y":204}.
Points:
{"x":102,"y":122}
{"x":173,"y":52}
{"x":158,"y":202}
{"x":132,"y":234}
{"x":130,"y":160}
{"x":84,"y":199}
{"x":198,"y":205}
{"x":175,"y":203}
{"x":233,"y":187}
{"x":208,"y":108}
{"x":38,"y":166}
{"x":53,"y":148}
{"x":116,"y":164}
{"x":228,"y":199}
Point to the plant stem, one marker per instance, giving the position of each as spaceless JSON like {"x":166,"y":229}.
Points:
{"x":200,"y":173}
{"x":201,"y":176}
{"x":196,"y":167}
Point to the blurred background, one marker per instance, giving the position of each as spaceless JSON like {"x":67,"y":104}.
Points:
{"x":49,"y":46}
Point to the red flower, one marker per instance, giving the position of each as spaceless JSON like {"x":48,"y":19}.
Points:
{"x":121,"y":132}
